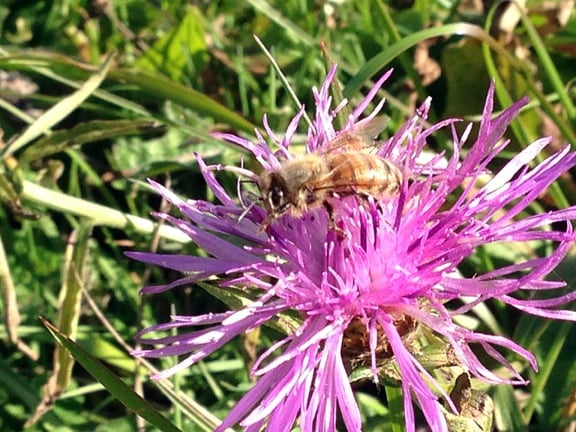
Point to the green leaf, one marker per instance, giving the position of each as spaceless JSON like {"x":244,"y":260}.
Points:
{"x":169,"y":54}
{"x":10,"y":189}
{"x":285,"y":322}
{"x":395,"y":407}
{"x":58,"y":112}
{"x":507,"y":416}
{"x":71,"y":296}
{"x":111,"y":382}
{"x":164,"y":88}
{"x":88,"y":132}
{"x":99,"y":214}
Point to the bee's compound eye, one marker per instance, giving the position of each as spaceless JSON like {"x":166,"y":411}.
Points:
{"x":276,"y":197}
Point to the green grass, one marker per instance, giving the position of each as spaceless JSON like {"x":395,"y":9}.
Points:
{"x":113,"y":96}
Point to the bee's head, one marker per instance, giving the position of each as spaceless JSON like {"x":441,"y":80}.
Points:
{"x":275,"y":194}
{"x":276,"y":197}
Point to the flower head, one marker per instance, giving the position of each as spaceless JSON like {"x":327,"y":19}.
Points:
{"x":395,"y":267}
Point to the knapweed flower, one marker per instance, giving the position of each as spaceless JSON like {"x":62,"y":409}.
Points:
{"x":391,"y":264}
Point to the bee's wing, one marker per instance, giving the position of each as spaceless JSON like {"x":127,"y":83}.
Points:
{"x":359,"y":173}
{"x":360,"y":137}
{"x":371,"y":128}
{"x":342,"y":185}
{"x":340,"y":179}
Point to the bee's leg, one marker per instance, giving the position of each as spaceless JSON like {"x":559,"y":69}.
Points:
{"x":366,"y":200}
{"x":332,"y":225}
{"x":265,"y":225}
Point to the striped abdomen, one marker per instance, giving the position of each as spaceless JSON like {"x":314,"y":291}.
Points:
{"x":361,"y":173}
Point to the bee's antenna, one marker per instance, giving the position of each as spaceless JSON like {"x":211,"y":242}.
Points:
{"x":242,"y":194}
{"x":239,"y":192}
{"x":236,"y":170}
{"x":246,"y":210}
{"x":248,"y":199}
{"x":239,"y":185}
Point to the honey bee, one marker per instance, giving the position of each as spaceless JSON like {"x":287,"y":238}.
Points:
{"x":310,"y":181}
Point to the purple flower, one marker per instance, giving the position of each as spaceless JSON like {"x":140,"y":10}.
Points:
{"x":396,"y":265}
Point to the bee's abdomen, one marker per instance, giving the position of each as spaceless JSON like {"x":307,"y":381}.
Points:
{"x":364,"y":173}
